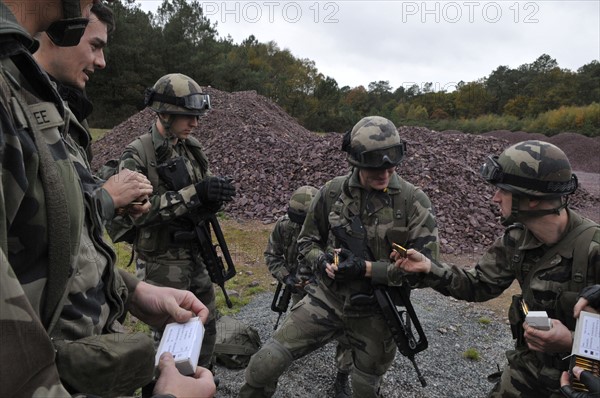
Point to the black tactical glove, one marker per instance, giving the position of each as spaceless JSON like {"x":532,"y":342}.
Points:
{"x":322,"y":261}
{"x":591,"y":381}
{"x":592,"y":295}
{"x":215,"y":189}
{"x":351,"y":267}
{"x":292,"y":281}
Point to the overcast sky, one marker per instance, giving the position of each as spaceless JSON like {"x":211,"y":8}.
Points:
{"x":413,"y":42}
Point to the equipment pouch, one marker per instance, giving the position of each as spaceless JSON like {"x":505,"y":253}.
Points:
{"x":236,"y":343}
{"x":564,"y":308}
{"x":153,"y":239}
{"x":516,"y":318}
{"x":174,"y":173}
{"x":108,"y":365}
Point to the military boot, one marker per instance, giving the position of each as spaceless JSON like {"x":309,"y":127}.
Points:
{"x":341,"y":386}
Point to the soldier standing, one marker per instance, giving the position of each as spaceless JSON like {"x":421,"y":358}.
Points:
{"x":376,"y":206}
{"x":548,"y":248}
{"x":281,"y":257}
{"x":184,"y":189}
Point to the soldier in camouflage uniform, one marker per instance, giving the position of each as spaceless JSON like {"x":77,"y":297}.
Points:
{"x":58,"y":275}
{"x":548,"y":248}
{"x":376,"y":206}
{"x":179,"y":200}
{"x":72,"y":67}
{"x":281,"y":257}
{"x":69,"y":68}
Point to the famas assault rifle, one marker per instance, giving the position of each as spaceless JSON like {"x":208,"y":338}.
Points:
{"x":214,"y":263}
{"x":281,"y":301}
{"x":407,"y":343}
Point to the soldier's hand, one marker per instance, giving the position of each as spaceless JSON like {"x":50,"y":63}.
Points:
{"x":589,"y":300}
{"x":325,"y":265}
{"x":137,"y":208}
{"x":557,"y":339}
{"x":215,"y":189}
{"x":157,"y":306}
{"x":293,"y":282}
{"x":170,"y":381}
{"x":351,"y":267}
{"x":414,"y":262}
{"x":127,"y":186}
{"x":591,"y":381}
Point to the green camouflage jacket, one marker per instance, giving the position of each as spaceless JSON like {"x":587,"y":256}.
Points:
{"x":168,"y":207}
{"x":546,"y":274}
{"x":282,"y":249}
{"x":78,"y":131}
{"x":78,"y":105}
{"x":27,"y":354}
{"x":48,"y":218}
{"x":403,"y":214}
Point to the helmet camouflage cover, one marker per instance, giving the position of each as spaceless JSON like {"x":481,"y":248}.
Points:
{"x":531,"y":168}
{"x":374,"y":142}
{"x":300,"y":202}
{"x":302,"y":197}
{"x":177,"y":94}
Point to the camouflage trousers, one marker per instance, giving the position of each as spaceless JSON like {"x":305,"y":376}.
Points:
{"x":181,"y":269}
{"x":310,"y":325}
{"x":525,"y":376}
{"x":343,"y":350}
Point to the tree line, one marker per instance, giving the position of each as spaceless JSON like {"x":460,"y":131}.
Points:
{"x":537,"y":97}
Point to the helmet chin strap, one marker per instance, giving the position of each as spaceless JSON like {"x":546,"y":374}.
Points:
{"x":520,"y":215}
{"x":167,"y":123}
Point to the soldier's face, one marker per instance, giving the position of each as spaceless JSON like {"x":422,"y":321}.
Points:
{"x":183,"y":125}
{"x":377,"y":179}
{"x":503,"y":199}
{"x":74,"y":65}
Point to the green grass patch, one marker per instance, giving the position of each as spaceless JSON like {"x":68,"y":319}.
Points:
{"x":98,"y":133}
{"x":472,"y":354}
{"x":484,"y":320}
{"x":246,"y":243}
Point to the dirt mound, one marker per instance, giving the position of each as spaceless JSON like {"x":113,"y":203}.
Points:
{"x":269,"y":154}
{"x":582,"y":151}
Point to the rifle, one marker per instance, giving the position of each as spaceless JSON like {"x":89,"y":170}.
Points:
{"x":214,"y":263}
{"x":407,"y":343}
{"x":175,"y":175}
{"x":283,"y":303}
{"x":389,"y":298}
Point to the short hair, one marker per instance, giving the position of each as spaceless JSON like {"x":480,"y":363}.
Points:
{"x":104,"y":15}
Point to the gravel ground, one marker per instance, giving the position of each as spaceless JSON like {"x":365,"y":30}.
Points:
{"x":451,"y":327}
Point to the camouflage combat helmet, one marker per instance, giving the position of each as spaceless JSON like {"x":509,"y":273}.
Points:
{"x":299,"y":203}
{"x":177,"y":94}
{"x":374,"y":142}
{"x":531,"y":168}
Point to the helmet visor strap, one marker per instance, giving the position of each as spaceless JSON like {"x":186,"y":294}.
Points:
{"x":194,"y":102}
{"x":491,"y":170}
{"x":380,"y":157}
{"x":197,"y":101}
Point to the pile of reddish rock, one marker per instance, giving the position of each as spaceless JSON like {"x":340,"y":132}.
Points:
{"x":248,"y":137}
